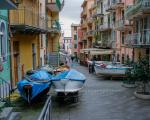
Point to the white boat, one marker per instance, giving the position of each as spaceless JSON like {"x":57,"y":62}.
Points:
{"x":110,"y":70}
{"x":69,"y":81}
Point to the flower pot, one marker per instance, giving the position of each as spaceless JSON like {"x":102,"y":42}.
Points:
{"x":141,"y":95}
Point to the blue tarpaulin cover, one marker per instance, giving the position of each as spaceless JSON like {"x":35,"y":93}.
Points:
{"x":37,"y":87}
{"x":41,"y":75}
{"x":70,"y":75}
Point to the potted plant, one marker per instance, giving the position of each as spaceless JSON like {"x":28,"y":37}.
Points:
{"x":141,"y":74}
{"x":129,"y":80}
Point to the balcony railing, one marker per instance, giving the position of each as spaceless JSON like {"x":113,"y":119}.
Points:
{"x":114,"y":4}
{"x":123,"y":24}
{"x":138,"y":39}
{"x":84,"y":13}
{"x":139,"y":7}
{"x":26,"y":17}
{"x":84,"y":25}
{"x":54,"y":26}
{"x":90,"y":20}
{"x":105,"y":27}
{"x":98,"y":13}
{"x":55,"y":5}
{"x":90,"y":33}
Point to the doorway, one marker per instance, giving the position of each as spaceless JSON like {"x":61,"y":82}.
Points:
{"x":33,"y":56}
{"x":16,"y":62}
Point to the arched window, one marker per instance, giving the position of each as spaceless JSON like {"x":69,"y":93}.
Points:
{"x":3,"y":41}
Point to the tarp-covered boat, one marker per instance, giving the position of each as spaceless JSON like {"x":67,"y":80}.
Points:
{"x":34,"y":85}
{"x":68,"y":81}
{"x":111,"y":70}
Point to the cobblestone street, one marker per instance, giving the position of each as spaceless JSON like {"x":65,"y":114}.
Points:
{"x":103,"y":100}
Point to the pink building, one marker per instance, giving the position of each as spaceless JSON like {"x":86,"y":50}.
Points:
{"x":74,"y":34}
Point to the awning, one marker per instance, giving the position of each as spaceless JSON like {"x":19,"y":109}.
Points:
{"x":101,"y":52}
{"x":95,"y":51}
{"x":7,"y":4}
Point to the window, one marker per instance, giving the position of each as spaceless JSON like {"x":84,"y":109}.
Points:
{"x":123,"y":59}
{"x":75,"y":46}
{"x":122,"y":37}
{"x":3,"y":41}
{"x":75,"y":37}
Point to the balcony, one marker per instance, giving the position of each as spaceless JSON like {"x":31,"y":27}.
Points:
{"x":123,"y":24}
{"x":114,"y":4}
{"x":105,"y":27}
{"x":89,"y":20}
{"x":138,"y":39}
{"x":7,"y":4}
{"x":83,"y":14}
{"x":138,"y":9}
{"x":84,"y":25}
{"x":98,"y":14}
{"x":19,"y":21}
{"x":55,"y":5}
{"x":54,"y":26}
{"x":84,"y":3}
{"x":93,"y":6}
{"x":90,"y":33}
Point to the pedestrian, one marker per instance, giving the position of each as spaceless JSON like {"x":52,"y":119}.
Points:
{"x":72,"y":58}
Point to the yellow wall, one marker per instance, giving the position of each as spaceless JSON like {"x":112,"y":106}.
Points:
{"x":53,"y":41}
{"x":25,"y":49}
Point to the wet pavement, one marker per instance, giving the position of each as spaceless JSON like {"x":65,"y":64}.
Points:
{"x":102,"y":99}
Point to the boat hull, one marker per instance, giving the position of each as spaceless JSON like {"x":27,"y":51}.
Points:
{"x":33,"y":91}
{"x":110,"y":71}
{"x":68,"y":86}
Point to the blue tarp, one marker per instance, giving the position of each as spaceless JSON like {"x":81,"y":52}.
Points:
{"x":41,"y":75}
{"x":37,"y":87}
{"x":70,"y":75}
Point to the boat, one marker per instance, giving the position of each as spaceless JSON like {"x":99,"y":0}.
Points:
{"x":35,"y":85}
{"x":61,"y":69}
{"x":111,"y":69}
{"x":69,"y":81}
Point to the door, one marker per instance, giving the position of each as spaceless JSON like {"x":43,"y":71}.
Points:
{"x":16,"y":62}
{"x":33,"y":56}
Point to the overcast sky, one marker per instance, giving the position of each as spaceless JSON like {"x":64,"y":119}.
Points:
{"x":70,"y":14}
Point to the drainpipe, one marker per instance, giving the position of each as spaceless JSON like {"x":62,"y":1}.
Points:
{"x":46,"y":1}
{"x":10,"y":50}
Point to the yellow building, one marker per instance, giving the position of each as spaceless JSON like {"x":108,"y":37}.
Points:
{"x":25,"y":24}
{"x":54,"y":30}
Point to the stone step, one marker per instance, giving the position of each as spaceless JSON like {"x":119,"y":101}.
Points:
{"x":6,"y":112}
{"x":14,"y":116}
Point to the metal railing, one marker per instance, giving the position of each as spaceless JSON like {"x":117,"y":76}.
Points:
{"x":105,"y":26}
{"x":121,"y":23}
{"x":46,"y":111}
{"x":115,"y":3}
{"x":138,"y":38}
{"x":54,"y":25}
{"x":90,"y":33}
{"x":139,"y":5}
{"x":27,"y":16}
{"x":4,"y":90}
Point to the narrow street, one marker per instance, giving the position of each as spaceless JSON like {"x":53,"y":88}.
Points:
{"x":102,"y":100}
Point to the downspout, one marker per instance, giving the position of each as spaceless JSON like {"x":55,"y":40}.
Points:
{"x":10,"y":50}
{"x":46,"y":33}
